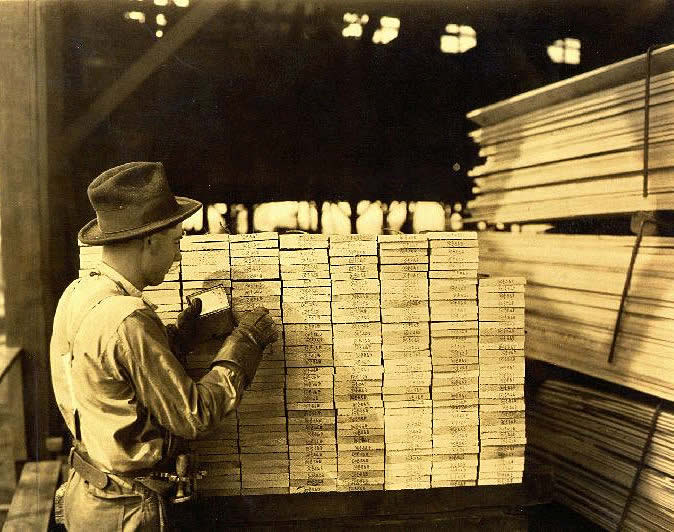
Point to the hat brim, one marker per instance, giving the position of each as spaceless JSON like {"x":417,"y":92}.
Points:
{"x":92,"y":235}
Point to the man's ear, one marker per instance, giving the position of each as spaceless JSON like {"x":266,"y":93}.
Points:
{"x":149,"y":242}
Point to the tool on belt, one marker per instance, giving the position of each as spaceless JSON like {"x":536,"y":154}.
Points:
{"x":177,"y":487}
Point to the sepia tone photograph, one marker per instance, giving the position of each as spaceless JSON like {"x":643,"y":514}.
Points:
{"x":334,"y":265}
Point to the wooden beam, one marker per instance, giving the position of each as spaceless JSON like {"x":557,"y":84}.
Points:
{"x":36,"y":201}
{"x":129,"y":81}
{"x":33,"y":500}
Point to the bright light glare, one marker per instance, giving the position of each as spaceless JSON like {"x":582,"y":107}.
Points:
{"x":565,"y":51}
{"x":159,"y":34}
{"x":138,"y":16}
{"x":181,"y":3}
{"x":572,"y":56}
{"x":362,"y":206}
{"x":384,"y":35}
{"x":460,"y":39}
{"x":161,"y":2}
{"x":390,"y":22}
{"x":449,"y":44}
{"x":353,"y":30}
{"x":161,"y":19}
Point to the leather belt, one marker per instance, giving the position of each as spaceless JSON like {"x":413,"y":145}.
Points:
{"x":91,"y":474}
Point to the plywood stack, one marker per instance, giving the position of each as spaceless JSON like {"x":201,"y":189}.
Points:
{"x":205,"y":263}
{"x":358,"y":372}
{"x":454,"y":355}
{"x":407,"y":361}
{"x":574,"y":285}
{"x":595,"y":439}
{"x":309,"y":388}
{"x":501,"y":346}
{"x":575,"y":148}
{"x":263,"y":439}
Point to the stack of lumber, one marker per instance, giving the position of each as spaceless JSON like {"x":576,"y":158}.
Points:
{"x":263,"y":439}
{"x":90,"y":258}
{"x":574,"y":286}
{"x":358,"y":368}
{"x":575,"y":147}
{"x":375,"y":383}
{"x":166,"y":295}
{"x":306,"y":293}
{"x":408,"y":411}
{"x":594,"y":441}
{"x":501,"y":345}
{"x":454,"y":355}
{"x":205,"y":263}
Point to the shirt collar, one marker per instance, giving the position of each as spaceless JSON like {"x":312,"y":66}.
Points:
{"x":118,"y":278}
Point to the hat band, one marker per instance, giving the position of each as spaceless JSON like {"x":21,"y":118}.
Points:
{"x":134,"y":216}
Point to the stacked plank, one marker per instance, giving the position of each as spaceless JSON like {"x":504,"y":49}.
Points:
{"x":594,"y":441}
{"x":166,"y":295}
{"x":407,"y":361}
{"x":501,"y":346}
{"x":205,"y":263}
{"x":454,"y":355}
{"x":263,"y":439}
{"x":90,"y":257}
{"x":575,"y":147}
{"x":574,"y":286}
{"x":358,"y":373}
{"x":309,"y":389}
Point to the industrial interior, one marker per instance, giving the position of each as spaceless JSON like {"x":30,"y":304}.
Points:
{"x":457,"y":213}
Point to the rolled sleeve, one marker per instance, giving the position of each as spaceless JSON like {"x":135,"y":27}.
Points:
{"x":186,"y":408}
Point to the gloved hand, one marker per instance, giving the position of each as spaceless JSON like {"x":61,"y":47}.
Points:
{"x":186,"y":326}
{"x":245,"y":345}
{"x":260,"y":326}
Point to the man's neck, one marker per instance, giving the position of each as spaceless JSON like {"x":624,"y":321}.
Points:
{"x":126,"y":263}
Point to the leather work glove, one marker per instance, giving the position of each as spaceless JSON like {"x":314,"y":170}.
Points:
{"x":244,"y":347}
{"x":185,"y":328}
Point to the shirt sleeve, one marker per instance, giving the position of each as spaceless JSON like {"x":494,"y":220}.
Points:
{"x":186,"y":408}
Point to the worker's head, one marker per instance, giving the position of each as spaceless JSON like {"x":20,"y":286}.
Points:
{"x":158,"y":251}
{"x":138,"y":215}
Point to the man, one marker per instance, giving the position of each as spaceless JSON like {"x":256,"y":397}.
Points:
{"x":123,"y":393}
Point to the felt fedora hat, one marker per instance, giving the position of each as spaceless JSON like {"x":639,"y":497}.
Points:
{"x":132,"y":200}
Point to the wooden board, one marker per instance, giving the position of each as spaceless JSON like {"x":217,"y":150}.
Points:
{"x":593,"y":442}
{"x":33,"y":500}
{"x":576,"y":149}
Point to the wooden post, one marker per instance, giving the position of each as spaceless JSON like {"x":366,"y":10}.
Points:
{"x":33,"y":199}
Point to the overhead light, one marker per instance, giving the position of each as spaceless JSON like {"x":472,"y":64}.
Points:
{"x":138,"y":16}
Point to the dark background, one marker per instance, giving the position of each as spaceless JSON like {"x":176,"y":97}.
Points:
{"x":270,"y":102}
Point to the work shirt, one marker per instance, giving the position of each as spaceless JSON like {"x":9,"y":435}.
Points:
{"x":129,"y":390}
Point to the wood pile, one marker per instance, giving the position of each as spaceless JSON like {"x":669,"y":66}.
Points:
{"x":454,"y":354}
{"x":574,"y":286}
{"x":377,"y":381}
{"x":595,"y":439}
{"x":575,"y":148}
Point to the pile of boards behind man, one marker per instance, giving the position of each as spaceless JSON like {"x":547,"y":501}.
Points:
{"x":378,"y":382}
{"x":600,"y":143}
